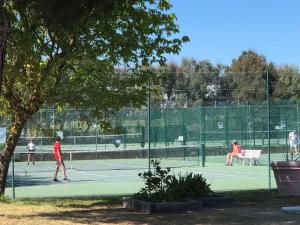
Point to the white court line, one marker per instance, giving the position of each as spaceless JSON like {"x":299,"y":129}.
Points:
{"x":116,"y":168}
{"x":225,"y":176}
{"x":126,"y":165}
{"x":119,"y":175}
{"x":89,"y":173}
{"x":69,"y":170}
{"x":237,"y":176}
{"x":206,"y":172}
{"x":236,"y":172}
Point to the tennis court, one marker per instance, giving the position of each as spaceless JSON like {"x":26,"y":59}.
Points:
{"x":120,"y":176}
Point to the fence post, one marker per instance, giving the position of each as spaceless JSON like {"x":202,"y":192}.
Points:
{"x":143,"y":136}
{"x":298,"y":117}
{"x":96,"y":140}
{"x":183,"y":126}
{"x":13,"y":176}
{"x":41,"y":130}
{"x":225,"y":127}
{"x":286,"y":138}
{"x":203,"y":154}
{"x":166,"y":129}
{"x":199,"y":154}
{"x":268,"y":109}
{"x":149,"y":121}
{"x":254,"y":134}
{"x":249,"y":130}
{"x":202,"y":125}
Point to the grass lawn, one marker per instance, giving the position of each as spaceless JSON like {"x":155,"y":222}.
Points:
{"x":251,"y":207}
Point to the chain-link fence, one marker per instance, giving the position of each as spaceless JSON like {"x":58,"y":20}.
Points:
{"x":193,"y":119}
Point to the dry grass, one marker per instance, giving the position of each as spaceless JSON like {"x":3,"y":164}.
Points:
{"x":252,"y":207}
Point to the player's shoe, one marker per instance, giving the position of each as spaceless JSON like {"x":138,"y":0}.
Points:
{"x":55,"y":180}
{"x":66,"y":179}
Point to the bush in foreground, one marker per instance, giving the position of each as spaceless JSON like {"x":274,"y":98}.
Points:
{"x":4,"y":199}
{"x":160,"y":186}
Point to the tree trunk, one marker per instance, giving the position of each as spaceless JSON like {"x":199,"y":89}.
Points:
{"x":7,"y":152}
{"x":4,"y":29}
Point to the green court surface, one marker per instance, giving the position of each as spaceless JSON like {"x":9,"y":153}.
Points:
{"x":120,"y":176}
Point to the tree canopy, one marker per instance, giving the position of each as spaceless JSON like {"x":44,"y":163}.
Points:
{"x":65,"y":52}
{"x":81,"y":54}
{"x":287,"y":85}
{"x":202,"y":83}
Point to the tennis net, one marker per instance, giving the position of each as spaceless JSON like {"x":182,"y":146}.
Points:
{"x":117,"y":159}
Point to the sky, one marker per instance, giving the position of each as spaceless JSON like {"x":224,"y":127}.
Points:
{"x":219,"y":30}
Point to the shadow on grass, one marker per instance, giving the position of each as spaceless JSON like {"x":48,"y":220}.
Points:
{"x":251,"y":207}
{"x":212,"y":216}
{"x":76,"y":202}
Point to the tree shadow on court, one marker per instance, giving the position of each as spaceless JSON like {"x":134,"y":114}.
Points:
{"x":28,"y":180}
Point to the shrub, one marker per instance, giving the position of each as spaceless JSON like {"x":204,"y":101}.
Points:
{"x":160,"y":186}
{"x":4,"y":199}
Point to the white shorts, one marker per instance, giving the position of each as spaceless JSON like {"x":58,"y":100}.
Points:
{"x":239,"y":155}
{"x":293,"y":147}
{"x":293,"y":144}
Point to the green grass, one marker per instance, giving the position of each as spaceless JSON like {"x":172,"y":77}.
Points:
{"x":250,"y":197}
{"x":73,"y":201}
{"x":250,"y":207}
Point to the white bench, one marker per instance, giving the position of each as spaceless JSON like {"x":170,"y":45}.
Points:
{"x":179,"y":140}
{"x":250,"y":154}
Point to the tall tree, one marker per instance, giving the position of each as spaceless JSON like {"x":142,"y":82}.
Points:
{"x":287,"y":85}
{"x":65,"y":52}
{"x":4,"y":30}
{"x":247,"y":76}
{"x":168,"y":80}
{"x":204,"y":82}
{"x":191,"y":83}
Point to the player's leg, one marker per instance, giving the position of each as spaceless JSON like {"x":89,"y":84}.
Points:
{"x":28,"y":158}
{"x":56,"y":171}
{"x":295,"y":151}
{"x":230,"y":160}
{"x":33,"y":158}
{"x":227,"y":159}
{"x":63,"y":170}
{"x":291,"y":152}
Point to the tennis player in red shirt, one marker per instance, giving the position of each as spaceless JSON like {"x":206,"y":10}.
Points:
{"x":59,"y":160}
